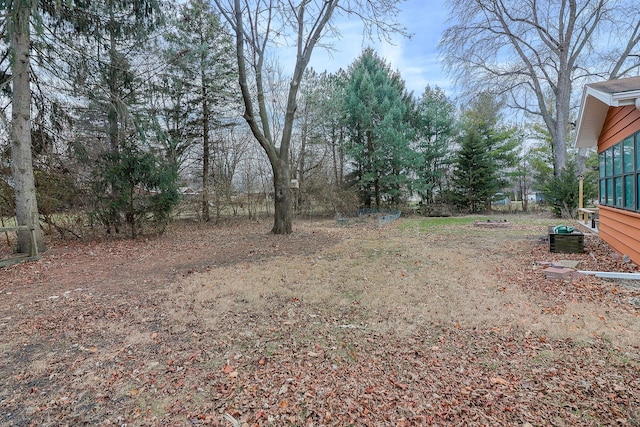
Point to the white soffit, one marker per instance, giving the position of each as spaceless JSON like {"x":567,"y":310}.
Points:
{"x":593,"y":113}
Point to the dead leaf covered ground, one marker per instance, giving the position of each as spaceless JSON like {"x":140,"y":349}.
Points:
{"x":419,"y":322}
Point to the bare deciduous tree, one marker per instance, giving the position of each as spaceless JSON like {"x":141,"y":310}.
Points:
{"x":536,"y":50}
{"x":259,"y":25}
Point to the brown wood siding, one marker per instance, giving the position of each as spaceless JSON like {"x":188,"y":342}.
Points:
{"x":619,"y":124}
{"x":621,"y":230}
{"x":618,"y":227}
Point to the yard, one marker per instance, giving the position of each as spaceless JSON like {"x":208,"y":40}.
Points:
{"x":418,"y":322}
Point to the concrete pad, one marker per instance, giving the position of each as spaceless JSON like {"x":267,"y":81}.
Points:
{"x":569,"y":263}
{"x":558,"y":273}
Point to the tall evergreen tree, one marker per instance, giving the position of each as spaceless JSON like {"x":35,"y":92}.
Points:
{"x":17,"y":26}
{"x":22,"y":20}
{"x":377,"y":111}
{"x":487,"y":151}
{"x":475,"y":173}
{"x":111,"y":63}
{"x":435,"y":126}
{"x":200,"y":81}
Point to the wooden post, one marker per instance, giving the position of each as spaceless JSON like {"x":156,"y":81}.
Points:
{"x":581,"y":197}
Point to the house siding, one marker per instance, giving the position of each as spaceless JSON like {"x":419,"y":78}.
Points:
{"x":619,"y":124}
{"x":620,"y":228}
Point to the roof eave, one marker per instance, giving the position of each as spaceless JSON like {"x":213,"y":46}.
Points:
{"x":593,"y":112}
{"x":625,"y":98}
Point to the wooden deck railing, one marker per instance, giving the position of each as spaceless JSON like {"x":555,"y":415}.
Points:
{"x":589,"y":217}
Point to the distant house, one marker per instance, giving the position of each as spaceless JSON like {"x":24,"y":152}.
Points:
{"x":535,"y":197}
{"x":609,"y":119}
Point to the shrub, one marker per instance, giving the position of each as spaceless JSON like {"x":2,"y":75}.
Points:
{"x":562,"y":192}
{"x":134,"y":187}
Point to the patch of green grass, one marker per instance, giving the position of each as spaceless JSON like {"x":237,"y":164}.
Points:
{"x":153,"y":406}
{"x":272,"y":348}
{"x":490,"y":365}
{"x":435,"y":223}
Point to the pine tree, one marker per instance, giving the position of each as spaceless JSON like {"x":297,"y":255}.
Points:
{"x":475,"y":173}
{"x":134,"y":187}
{"x":377,"y":110}
{"x":110,"y":64}
{"x":435,"y":128}
{"x":198,"y":85}
{"x":23,"y":20}
{"x":487,"y":151}
{"x":17,"y":25}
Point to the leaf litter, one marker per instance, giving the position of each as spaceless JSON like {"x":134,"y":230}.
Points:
{"x":332,"y":326}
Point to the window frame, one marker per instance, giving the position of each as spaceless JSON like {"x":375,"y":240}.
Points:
{"x":619,"y":174}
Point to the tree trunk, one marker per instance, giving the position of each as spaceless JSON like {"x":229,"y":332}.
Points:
{"x":21,"y":159}
{"x":524,"y":189}
{"x":283,"y":217}
{"x":301,"y":164}
{"x":206,"y":113}
{"x":563,"y":102}
{"x":334,"y":157}
{"x":112,"y":114}
{"x":205,"y":154}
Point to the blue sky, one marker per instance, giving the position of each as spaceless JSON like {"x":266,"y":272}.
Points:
{"x":415,"y":58}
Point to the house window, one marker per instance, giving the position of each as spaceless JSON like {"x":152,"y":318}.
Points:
{"x":628,"y":191}
{"x":620,"y":174}
{"x":603,"y":188}
{"x":627,"y":159}
{"x":629,"y":172}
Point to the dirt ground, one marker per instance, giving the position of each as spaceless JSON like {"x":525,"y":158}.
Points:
{"x":418,"y":322}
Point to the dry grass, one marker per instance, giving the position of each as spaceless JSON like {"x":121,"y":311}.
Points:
{"x":399,"y":279}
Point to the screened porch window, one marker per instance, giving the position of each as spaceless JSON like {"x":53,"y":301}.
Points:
{"x":620,"y":174}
